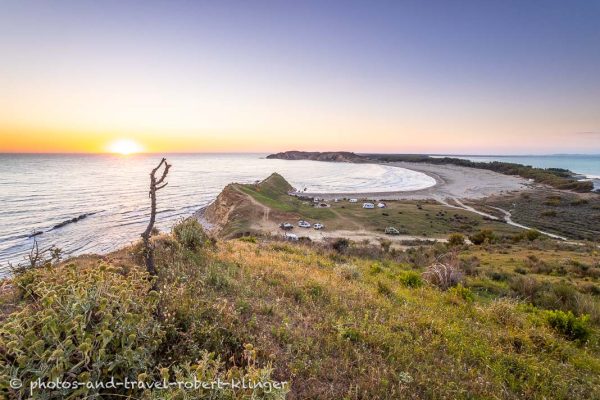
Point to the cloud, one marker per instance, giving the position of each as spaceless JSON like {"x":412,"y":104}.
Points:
{"x":595,"y":133}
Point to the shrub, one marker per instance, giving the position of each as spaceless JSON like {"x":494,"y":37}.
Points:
{"x":443,"y":275}
{"x":579,"y":202}
{"x":567,"y":324}
{"x":524,"y":287}
{"x":470,"y":266}
{"x":341,"y":245}
{"x":532,"y":234}
{"x":411,"y":279}
{"x":190,"y":234}
{"x":456,"y":239}
{"x":348,"y":333}
{"x":385,"y":245}
{"x":483,"y":236}
{"x":498,"y":276}
{"x":249,"y":239}
{"x":521,"y":270}
{"x":83,"y":323}
{"x":462,"y":292}
{"x":384,"y":289}
{"x":348,"y":271}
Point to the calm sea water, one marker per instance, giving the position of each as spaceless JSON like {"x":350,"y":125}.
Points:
{"x":38,"y":192}
{"x":588,"y":165}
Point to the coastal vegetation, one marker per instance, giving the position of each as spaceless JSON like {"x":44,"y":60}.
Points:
{"x":500,"y":319}
{"x":574,"y":215}
{"x":555,"y":177}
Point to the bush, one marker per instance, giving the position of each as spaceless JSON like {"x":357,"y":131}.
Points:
{"x":456,"y":239}
{"x":532,"y":234}
{"x":384,"y":290}
{"x":483,"y":236}
{"x":341,"y":245}
{"x":567,"y":324}
{"x":411,"y":279}
{"x":80,"y":324}
{"x":190,"y":234}
{"x":462,"y":292}
{"x":443,"y":275}
{"x":249,"y":239}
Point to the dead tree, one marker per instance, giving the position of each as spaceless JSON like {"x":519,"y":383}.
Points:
{"x":155,"y":185}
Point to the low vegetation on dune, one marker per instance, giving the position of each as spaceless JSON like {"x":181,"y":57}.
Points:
{"x":501,"y":319}
{"x":576,"y":216}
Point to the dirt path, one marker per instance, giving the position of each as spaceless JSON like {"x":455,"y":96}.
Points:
{"x":508,"y":219}
{"x":507,"y":216}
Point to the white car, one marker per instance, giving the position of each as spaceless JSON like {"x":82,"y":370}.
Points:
{"x":291,"y":236}
{"x":318,"y":226}
{"x":304,"y":224}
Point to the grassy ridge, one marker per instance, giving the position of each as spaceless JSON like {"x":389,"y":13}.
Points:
{"x":359,"y":322}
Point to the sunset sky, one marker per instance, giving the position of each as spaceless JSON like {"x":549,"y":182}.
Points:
{"x":478,"y":77}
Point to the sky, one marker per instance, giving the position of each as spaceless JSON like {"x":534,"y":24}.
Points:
{"x":454,"y":77}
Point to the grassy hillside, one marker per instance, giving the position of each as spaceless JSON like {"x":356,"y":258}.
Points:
{"x":409,"y":217}
{"x":339,"y":322}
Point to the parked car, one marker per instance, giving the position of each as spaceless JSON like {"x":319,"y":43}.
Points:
{"x":318,"y":226}
{"x":291,"y":236}
{"x":353,"y":200}
{"x":286,"y":226}
{"x":304,"y":224}
{"x":368,"y":205}
{"x":390,"y":230}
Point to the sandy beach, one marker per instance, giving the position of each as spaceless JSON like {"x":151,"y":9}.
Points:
{"x":452,"y":182}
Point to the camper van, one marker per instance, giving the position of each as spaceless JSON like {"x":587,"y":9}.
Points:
{"x":368,"y":205}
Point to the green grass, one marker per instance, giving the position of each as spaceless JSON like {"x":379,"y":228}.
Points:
{"x":409,"y":217}
{"x":336,"y":325}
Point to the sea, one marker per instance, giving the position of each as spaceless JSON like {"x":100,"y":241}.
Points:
{"x":98,"y":203}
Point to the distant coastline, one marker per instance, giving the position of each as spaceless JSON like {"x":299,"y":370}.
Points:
{"x":556,"y":177}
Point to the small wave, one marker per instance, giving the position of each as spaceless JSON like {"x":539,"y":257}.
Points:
{"x":71,"y":221}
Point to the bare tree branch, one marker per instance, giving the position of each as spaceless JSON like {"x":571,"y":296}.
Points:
{"x":155,"y":185}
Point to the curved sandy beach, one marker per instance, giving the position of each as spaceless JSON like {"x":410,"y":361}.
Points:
{"x":452,"y":181}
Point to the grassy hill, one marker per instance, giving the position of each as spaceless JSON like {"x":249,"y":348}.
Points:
{"x":422,"y":218}
{"x":341,"y":321}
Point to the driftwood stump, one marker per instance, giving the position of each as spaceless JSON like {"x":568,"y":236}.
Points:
{"x":155,"y":185}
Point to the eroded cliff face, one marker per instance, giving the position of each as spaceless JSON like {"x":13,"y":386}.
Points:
{"x":336,"y":156}
{"x":225,"y":208}
{"x":235,"y":211}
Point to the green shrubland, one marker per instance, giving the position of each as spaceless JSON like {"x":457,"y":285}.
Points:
{"x":335,"y":320}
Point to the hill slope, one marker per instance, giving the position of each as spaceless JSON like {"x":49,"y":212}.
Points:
{"x":333,"y":323}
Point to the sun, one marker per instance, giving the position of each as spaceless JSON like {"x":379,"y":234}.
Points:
{"x":124,"y":147}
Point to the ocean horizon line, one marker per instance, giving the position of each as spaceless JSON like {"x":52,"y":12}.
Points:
{"x":308,"y":151}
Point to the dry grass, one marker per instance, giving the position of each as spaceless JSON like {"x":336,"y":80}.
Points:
{"x":347,"y":326}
